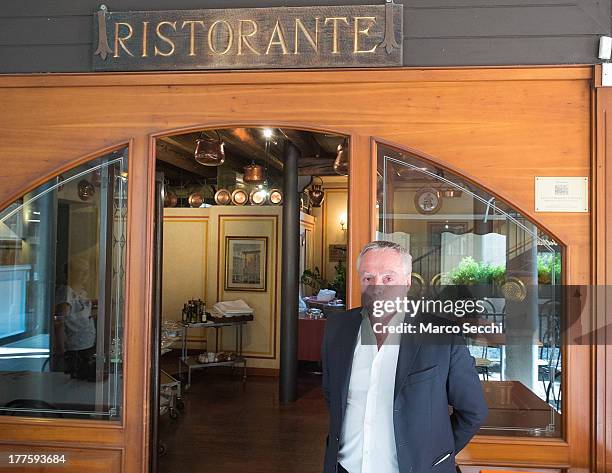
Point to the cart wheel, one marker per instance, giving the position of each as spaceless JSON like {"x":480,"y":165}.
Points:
{"x":180,"y":404}
{"x":161,"y":449}
{"x":174,"y":414}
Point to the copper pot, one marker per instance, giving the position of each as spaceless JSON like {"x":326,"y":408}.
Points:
{"x":316,"y":194}
{"x":253,"y":174}
{"x":86,"y":190}
{"x":341,"y":164}
{"x":210,"y":151}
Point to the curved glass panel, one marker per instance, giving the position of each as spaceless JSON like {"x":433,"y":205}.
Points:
{"x":62,"y":291}
{"x":468,"y":245}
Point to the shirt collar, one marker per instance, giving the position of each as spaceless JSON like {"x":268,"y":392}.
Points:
{"x":367,"y":333}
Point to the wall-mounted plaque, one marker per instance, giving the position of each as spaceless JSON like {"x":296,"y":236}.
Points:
{"x":282,"y":37}
{"x":561,"y":194}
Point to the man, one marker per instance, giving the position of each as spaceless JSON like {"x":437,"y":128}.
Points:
{"x":388,"y":395}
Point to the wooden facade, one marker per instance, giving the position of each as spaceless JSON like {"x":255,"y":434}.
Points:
{"x":58,"y":36}
{"x":497,"y":127}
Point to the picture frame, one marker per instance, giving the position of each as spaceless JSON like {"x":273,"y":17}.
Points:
{"x":246,"y":263}
{"x":337,"y":252}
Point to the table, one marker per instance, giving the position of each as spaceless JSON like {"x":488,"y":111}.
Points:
{"x":310,"y":338}
{"x":192,"y":363}
{"x":324,"y":306}
{"x":514,"y":407}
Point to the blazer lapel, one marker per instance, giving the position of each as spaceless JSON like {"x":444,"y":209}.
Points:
{"x":349,"y":341}
{"x":409,"y":348}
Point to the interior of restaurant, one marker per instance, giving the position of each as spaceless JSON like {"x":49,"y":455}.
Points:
{"x":222,"y":195}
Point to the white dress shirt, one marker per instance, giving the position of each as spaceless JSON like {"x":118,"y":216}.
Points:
{"x":367,"y":440}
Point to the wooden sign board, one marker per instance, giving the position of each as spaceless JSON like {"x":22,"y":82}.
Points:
{"x":284,"y":37}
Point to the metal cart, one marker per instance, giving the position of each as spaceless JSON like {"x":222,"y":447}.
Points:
{"x":192,"y":363}
{"x":169,"y":387}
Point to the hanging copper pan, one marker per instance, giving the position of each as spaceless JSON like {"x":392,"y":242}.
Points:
{"x":316,"y":193}
{"x":210,"y":151}
{"x":341,"y":164}
{"x":253,"y":174}
{"x":85,"y":190}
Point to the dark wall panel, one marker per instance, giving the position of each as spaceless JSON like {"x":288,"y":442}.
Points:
{"x":41,"y":36}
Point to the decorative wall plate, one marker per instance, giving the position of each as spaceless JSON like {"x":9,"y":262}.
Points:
{"x":275,"y":197}
{"x":417,"y":285}
{"x":258,"y":196}
{"x":223,"y":197}
{"x":428,"y":200}
{"x":239,"y":197}
{"x":170,"y":199}
{"x":195,"y":200}
{"x":514,"y":289}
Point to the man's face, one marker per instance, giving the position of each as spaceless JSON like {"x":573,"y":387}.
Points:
{"x":382,"y":276}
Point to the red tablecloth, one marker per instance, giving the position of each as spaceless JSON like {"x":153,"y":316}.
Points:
{"x":310,"y":338}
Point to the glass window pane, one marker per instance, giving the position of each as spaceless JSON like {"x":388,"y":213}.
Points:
{"x":62,"y":293}
{"x":466,"y":244}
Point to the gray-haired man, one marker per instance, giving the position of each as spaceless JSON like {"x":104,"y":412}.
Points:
{"x":388,"y":394}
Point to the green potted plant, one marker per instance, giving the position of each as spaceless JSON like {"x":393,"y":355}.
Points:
{"x":338,"y":284}
{"x":549,"y":265}
{"x":316,"y":281}
{"x":486,"y":277}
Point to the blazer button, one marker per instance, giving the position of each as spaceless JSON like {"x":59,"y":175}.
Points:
{"x":337,"y":439}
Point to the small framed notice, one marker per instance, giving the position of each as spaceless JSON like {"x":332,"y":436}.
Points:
{"x":561,"y":194}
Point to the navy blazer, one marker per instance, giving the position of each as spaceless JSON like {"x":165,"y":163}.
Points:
{"x":429,"y":378}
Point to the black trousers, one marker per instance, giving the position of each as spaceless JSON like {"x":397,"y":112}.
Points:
{"x":341,"y":469}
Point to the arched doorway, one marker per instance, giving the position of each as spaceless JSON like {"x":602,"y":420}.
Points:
{"x":256,"y":217}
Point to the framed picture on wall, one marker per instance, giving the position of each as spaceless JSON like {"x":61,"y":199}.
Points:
{"x":246,"y":260}
{"x":337,"y":252}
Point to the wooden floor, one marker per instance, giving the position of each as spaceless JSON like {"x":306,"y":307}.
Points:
{"x":230,"y":428}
